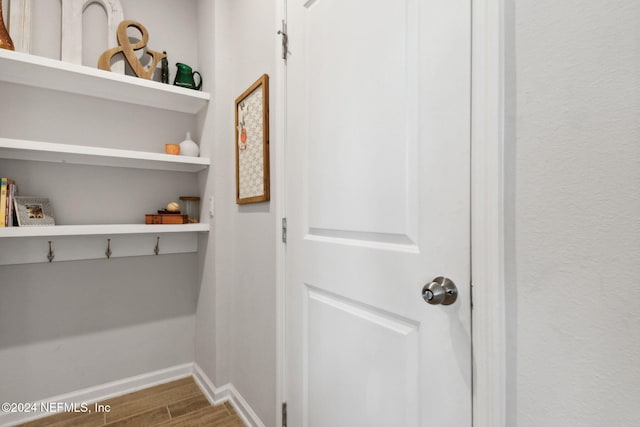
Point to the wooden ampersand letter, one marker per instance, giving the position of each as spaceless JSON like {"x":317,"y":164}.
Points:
{"x":128,"y":49}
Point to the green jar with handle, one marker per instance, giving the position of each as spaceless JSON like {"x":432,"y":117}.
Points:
{"x":185,"y":77}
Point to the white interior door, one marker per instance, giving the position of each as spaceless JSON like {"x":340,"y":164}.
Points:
{"x":377,"y":188}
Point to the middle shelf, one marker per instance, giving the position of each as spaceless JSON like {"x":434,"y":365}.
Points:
{"x":19,"y":149}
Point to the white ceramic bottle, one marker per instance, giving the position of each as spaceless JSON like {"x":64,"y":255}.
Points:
{"x":189,"y":148}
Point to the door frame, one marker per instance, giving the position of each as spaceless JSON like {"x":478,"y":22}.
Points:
{"x":487,"y":212}
{"x":280,"y":206}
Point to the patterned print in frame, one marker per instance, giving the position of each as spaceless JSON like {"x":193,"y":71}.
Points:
{"x":252,"y":143}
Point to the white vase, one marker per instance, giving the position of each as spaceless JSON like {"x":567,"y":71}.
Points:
{"x":189,"y":148}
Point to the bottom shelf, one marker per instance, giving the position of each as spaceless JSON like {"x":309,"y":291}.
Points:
{"x":100,"y":229}
{"x":26,"y":245}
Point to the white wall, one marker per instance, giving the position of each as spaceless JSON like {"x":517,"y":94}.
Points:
{"x":253,"y":338}
{"x":70,"y":325}
{"x":575,"y":210}
{"x":211,"y":54}
{"x":241,"y":47}
{"x":170,"y":25}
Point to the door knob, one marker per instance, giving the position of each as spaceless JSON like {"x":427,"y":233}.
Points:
{"x":440,"y":291}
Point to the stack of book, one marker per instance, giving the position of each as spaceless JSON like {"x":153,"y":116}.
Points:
{"x":8,"y":191}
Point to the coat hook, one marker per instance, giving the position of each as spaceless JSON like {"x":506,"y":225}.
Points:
{"x":51,"y":255}
{"x":108,"y":252}
{"x":157,"y":248}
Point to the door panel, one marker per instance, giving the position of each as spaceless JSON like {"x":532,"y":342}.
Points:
{"x":377,"y":198}
{"x":357,"y":108}
{"x":376,"y":365}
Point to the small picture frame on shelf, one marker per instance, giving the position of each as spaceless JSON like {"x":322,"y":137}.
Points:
{"x":33,"y":211}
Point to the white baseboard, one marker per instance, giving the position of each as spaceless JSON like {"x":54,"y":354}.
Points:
{"x":215,"y":395}
{"x":101,"y":392}
{"x":226,"y":393}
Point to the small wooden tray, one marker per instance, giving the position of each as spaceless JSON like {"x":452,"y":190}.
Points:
{"x":165,"y":219}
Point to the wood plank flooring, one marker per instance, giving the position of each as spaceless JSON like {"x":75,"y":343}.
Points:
{"x":176,"y":404}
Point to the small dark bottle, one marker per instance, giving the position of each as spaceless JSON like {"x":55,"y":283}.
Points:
{"x":165,"y":68}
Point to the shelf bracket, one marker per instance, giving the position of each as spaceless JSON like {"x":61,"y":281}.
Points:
{"x":108,"y":252}
{"x":156,"y":250}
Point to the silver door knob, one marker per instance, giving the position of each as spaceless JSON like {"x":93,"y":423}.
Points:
{"x":440,"y":291}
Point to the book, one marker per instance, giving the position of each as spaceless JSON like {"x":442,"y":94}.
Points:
{"x":6,"y":208}
{"x":12,"y":190}
{"x":4,"y":182}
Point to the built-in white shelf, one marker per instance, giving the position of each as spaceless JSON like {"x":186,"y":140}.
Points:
{"x":24,"y":245}
{"x":18,"y":149}
{"x":28,"y":245}
{"x":100,"y":230}
{"x":37,"y":71}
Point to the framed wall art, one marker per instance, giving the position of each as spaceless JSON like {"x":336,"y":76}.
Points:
{"x":252,"y":143}
{"x":33,"y":211}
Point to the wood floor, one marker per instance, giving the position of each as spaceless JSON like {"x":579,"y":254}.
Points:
{"x":178,"y":403}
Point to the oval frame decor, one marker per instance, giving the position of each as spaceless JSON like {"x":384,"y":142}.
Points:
{"x":72,"y":11}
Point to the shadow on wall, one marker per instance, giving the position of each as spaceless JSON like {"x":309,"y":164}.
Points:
{"x":42,"y":302}
{"x":264,"y":207}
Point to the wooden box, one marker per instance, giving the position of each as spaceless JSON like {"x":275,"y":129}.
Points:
{"x":165,"y":219}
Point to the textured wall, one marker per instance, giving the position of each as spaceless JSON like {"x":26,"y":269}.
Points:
{"x":239,"y":314}
{"x":575,"y":345}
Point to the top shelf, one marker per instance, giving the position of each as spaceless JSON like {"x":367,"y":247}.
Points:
{"x":37,"y":71}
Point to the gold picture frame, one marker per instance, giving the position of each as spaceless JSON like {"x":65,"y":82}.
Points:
{"x":252,"y":143}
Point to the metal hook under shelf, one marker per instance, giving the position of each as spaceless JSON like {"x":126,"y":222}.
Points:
{"x":108,"y":252}
{"x":51,"y":255}
{"x":157,"y":248}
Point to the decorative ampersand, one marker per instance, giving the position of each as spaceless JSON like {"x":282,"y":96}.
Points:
{"x":128,"y":49}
